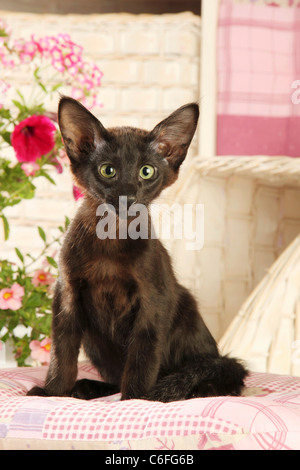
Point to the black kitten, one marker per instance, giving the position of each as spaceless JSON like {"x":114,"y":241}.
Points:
{"x":118,"y":296}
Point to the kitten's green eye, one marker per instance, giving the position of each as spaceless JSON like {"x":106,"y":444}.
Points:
{"x":107,"y":171}
{"x":146,"y":172}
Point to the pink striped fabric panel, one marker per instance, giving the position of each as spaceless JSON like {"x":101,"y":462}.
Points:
{"x":258,"y":67}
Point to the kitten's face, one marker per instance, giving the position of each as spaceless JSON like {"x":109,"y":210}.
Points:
{"x":124,"y":161}
{"x":125,"y":164}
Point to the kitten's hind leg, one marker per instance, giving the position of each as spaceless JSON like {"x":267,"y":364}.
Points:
{"x":87,"y":389}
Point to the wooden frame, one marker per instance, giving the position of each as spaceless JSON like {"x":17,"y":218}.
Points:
{"x":208,"y":79}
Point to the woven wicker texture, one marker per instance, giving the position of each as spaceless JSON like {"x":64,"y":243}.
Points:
{"x":251,"y":215}
{"x":266,"y":330}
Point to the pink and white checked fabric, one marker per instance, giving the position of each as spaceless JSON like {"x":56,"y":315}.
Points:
{"x":267,"y":417}
{"x":258,"y":100}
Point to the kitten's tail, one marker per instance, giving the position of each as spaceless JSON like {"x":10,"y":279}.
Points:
{"x":203,"y":376}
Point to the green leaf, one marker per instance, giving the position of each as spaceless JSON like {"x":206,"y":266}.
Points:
{"x":21,"y":96}
{"x":2,"y":324}
{"x":42,"y":234}
{"x":19,"y":105}
{"x":48,"y":177}
{"x":5,"y":226}
{"x":19,"y":254}
{"x":57,"y":86}
{"x":36,"y":73}
{"x":29,"y":191}
{"x":34,"y":301}
{"x":67,"y":222}
{"x":3,"y":33}
{"x":12,"y":323}
{"x":5,"y":113}
{"x":42,"y":87}
{"x":5,"y":337}
{"x":6,"y":137}
{"x":52,"y":262}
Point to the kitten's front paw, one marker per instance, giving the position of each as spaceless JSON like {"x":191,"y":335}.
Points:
{"x":87,"y":389}
{"x":37,"y":391}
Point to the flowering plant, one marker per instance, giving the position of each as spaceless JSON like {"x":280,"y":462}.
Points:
{"x":31,"y":147}
{"x":29,"y":128}
{"x":26,"y":297}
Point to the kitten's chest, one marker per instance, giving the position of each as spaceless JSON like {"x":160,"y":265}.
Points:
{"x":112,"y":293}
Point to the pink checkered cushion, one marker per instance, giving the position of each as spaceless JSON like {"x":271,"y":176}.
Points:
{"x":267,"y":418}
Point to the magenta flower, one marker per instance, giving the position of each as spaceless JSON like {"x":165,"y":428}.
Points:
{"x":33,"y":138}
{"x":40,"y":351}
{"x":77,"y":193}
{"x":11,"y":297}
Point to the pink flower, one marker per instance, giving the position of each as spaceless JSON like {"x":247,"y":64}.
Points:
{"x":66,"y":57}
{"x":43,"y":278}
{"x":26,"y":50}
{"x":40,"y":351}
{"x":3,"y":90}
{"x":33,"y":138}
{"x":4,"y":29}
{"x":64,"y":159}
{"x":30,"y":168}
{"x":77,"y":193}
{"x":11,"y":297}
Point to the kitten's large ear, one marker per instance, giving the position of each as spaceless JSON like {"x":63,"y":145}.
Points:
{"x":81,"y":131}
{"x":173,"y":135}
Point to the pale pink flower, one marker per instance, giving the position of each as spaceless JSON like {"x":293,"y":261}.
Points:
{"x":57,"y":59}
{"x":77,"y":94}
{"x":43,"y":278}
{"x":57,"y":164}
{"x":40,"y":350}
{"x":5,"y":29}
{"x":5,"y":58}
{"x":66,"y":57}
{"x":30,"y":168}
{"x":61,"y":161}
{"x":42,"y":44}
{"x":3,"y":90}
{"x":27,"y":50}
{"x":11,"y":297}
{"x":64,"y":159}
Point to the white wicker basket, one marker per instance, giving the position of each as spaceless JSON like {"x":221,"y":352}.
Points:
{"x":252,"y":213}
